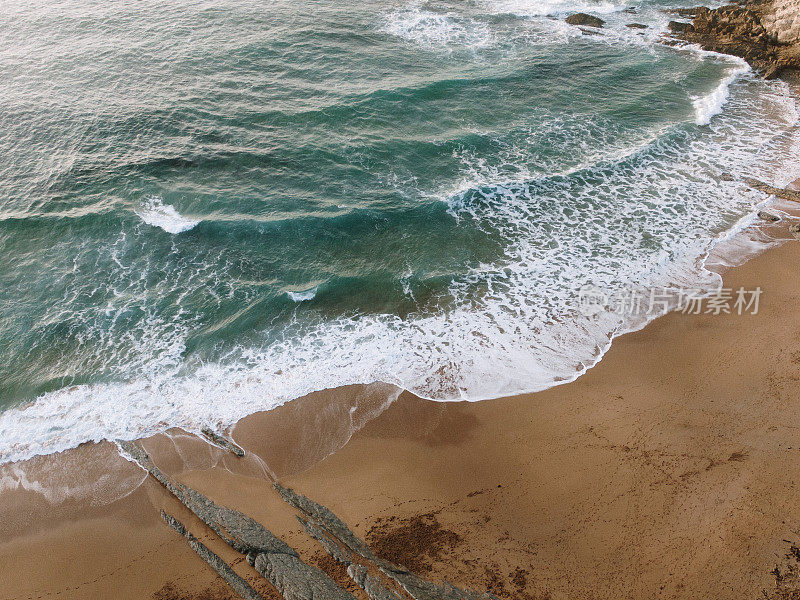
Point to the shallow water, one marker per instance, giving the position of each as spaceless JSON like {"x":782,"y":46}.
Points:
{"x":210,"y":208}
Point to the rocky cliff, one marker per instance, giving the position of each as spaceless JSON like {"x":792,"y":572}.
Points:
{"x":764,"y":33}
{"x":781,"y":19}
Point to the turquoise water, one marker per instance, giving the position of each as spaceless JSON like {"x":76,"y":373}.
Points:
{"x":210,"y":208}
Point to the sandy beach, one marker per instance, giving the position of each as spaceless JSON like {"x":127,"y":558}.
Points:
{"x":667,"y":471}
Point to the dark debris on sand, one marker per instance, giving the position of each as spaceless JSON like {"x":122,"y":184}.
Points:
{"x":414,"y":542}
{"x":787,"y":577}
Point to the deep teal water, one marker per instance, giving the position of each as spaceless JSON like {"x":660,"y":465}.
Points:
{"x":209,"y":208}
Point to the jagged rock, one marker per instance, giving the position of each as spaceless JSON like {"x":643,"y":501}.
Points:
{"x":766,"y":216}
{"x":357,"y":572}
{"x":795,"y":230}
{"x":222,"y":441}
{"x":324,"y":518}
{"x":752,"y":30}
{"x":680,"y":27}
{"x":237,"y":583}
{"x":175,"y":524}
{"x":689,"y":13}
{"x":238,"y":530}
{"x":584,"y":19}
{"x":278,"y":562}
{"x":135,"y":453}
{"x":421,"y":589}
{"x":376,"y":590}
{"x":321,"y":521}
{"x":636,"y":26}
{"x":273,"y":558}
{"x":773,"y":72}
{"x":372,"y":585}
{"x":781,"y":19}
{"x":785,"y":194}
{"x":296,"y":580}
{"x":331,"y":547}
{"x":725,"y":176}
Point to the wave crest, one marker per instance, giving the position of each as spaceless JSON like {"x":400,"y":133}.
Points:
{"x":710,"y":105}
{"x":154,"y":212}
{"x":302,"y":295}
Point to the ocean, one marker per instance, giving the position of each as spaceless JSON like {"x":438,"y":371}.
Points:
{"x":210,"y":208}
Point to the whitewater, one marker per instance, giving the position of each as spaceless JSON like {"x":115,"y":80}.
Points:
{"x":326,"y":222}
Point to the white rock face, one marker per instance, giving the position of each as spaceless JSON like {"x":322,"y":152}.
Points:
{"x":782,"y":19}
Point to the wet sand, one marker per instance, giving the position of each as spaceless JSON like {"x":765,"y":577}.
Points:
{"x":670,"y":470}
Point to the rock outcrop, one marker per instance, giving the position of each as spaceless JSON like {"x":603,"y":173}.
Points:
{"x":374,"y":575}
{"x":222,"y":441}
{"x":237,"y":583}
{"x":273,"y":558}
{"x":295,"y":580}
{"x":767,"y":216}
{"x":765,"y":34}
{"x":584,"y":19}
{"x":782,"y":193}
{"x":281,"y":565}
{"x":781,"y":19}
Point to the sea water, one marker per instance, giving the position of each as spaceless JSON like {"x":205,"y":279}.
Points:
{"x":209,"y":208}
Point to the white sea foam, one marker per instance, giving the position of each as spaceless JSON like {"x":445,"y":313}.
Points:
{"x":302,"y":295}
{"x":513,"y":326}
{"x":541,"y":8}
{"x":434,"y":29}
{"x":154,"y":212}
{"x":710,"y":105}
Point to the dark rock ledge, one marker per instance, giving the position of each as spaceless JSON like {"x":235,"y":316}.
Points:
{"x":762,"y":33}
{"x":782,"y":193}
{"x":378,"y":577}
{"x":239,"y":585}
{"x":281,"y":565}
{"x":584,"y":19}
{"x":221,"y":441}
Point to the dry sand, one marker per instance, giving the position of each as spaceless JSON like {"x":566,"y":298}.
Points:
{"x":670,"y":470}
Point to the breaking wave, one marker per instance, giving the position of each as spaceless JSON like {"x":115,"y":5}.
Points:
{"x":154,"y":212}
{"x":712,"y":104}
{"x":514,"y":326}
{"x":456,"y":283}
{"x":303,"y":295}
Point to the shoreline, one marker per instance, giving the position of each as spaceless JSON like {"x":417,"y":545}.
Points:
{"x":666,"y":469}
{"x":611,"y":460}
{"x":749,"y":237}
{"x":112,"y":429}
